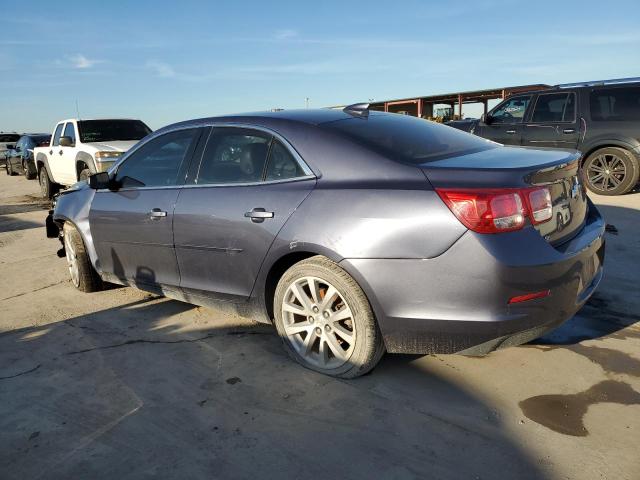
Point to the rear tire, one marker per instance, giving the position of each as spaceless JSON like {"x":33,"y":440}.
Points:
{"x":28,"y":174}
{"x":83,"y":276}
{"x":325,"y":320}
{"x":611,"y":171}
{"x":10,"y":171}
{"x":47,"y":188}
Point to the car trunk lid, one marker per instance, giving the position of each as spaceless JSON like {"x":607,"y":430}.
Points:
{"x":518,"y":167}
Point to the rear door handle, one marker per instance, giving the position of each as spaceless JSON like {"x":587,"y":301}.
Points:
{"x":569,"y":130}
{"x":157,"y":213}
{"x":510,"y":131}
{"x":257,"y":215}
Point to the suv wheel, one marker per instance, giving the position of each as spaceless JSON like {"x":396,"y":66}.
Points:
{"x":611,"y":171}
{"x":83,"y":276}
{"x":10,"y":171}
{"x":28,"y":174}
{"x":47,"y":188}
{"x":325,"y":320}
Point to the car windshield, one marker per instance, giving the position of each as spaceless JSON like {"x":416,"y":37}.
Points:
{"x":408,"y":139}
{"x":111,"y":130}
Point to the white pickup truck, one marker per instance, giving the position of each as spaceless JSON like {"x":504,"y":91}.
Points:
{"x":79,"y":148}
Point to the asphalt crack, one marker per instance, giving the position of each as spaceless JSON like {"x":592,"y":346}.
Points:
{"x":22,"y":373}
{"x":32,"y":291}
{"x":141,"y":340}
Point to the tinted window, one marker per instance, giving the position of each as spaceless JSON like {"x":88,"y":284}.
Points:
{"x":615,"y":104}
{"x":57,"y":134}
{"x":70,"y":131}
{"x":555,"y":107}
{"x":511,"y":111}
{"x":40,"y":140}
{"x":282,"y":164}
{"x":408,"y":139}
{"x":234,"y":155}
{"x":9,"y":138}
{"x":111,"y":130}
{"x":158,"y":162}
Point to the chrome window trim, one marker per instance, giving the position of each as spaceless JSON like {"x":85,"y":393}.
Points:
{"x":305,"y":167}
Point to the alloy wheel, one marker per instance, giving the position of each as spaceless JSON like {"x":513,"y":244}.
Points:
{"x":606,"y":172}
{"x":72,"y":260}
{"x":318,"y":322}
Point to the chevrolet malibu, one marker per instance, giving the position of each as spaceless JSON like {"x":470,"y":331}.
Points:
{"x":353,"y":232}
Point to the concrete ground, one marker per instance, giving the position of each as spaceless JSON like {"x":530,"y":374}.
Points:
{"x":121,"y":384}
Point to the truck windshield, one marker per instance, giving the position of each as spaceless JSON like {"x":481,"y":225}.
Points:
{"x":111,"y":130}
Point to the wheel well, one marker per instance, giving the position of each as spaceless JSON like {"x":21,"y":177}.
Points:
{"x":80,"y":165}
{"x":276,"y":272}
{"x":599,"y":147}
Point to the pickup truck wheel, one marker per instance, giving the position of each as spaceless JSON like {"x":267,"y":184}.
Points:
{"x":47,"y":187}
{"x":84,"y":175}
{"x":325,"y":320}
{"x":611,"y":171}
{"x":83,"y":276}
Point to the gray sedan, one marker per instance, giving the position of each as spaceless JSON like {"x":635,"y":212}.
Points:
{"x":354,"y":232}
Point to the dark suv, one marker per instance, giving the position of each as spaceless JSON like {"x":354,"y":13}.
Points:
{"x":601,"y":119}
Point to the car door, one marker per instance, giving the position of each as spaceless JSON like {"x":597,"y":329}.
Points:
{"x":246,"y":186}
{"x":69,"y":175}
{"x":132,"y":226}
{"x":553,"y":122}
{"x":56,"y":165}
{"x":503,"y":124}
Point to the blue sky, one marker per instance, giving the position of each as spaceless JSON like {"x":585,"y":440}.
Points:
{"x":165,"y":61}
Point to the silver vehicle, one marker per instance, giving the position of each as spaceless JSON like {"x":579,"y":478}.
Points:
{"x":354,"y":232}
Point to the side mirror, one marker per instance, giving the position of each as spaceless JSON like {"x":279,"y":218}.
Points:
{"x":487,"y":119}
{"x":10,"y":147}
{"x":66,"y":142}
{"x":100,"y":180}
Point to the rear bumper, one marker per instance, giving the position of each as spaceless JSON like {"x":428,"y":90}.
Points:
{"x":458,"y":301}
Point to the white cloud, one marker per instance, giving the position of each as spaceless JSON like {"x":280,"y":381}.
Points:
{"x":80,"y":61}
{"x":161,"y":69}
{"x":285,"y":34}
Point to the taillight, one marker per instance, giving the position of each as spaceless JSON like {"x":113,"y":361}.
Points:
{"x":498,"y":210}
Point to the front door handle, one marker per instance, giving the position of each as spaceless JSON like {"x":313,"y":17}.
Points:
{"x":60,"y":152}
{"x":569,"y":130}
{"x":510,"y":131}
{"x":257,"y":215}
{"x":50,"y":152}
{"x":157,"y":213}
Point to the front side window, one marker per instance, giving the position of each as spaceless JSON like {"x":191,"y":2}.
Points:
{"x":511,"y":111}
{"x":111,"y":130}
{"x":57,"y":134}
{"x":159,"y":162}
{"x":234,"y":155}
{"x":281,"y":164}
{"x":70,"y":131}
{"x":615,"y":104}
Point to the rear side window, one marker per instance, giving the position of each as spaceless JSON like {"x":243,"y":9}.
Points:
{"x":615,"y":104}
{"x":408,"y":139}
{"x":282,"y":165}
{"x":554,"y":107}
{"x":234,"y":155}
{"x":70,"y":131}
{"x":57,"y":134}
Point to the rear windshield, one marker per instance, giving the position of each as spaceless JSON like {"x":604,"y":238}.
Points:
{"x":111,"y":130}
{"x":408,"y":139}
{"x":615,"y":104}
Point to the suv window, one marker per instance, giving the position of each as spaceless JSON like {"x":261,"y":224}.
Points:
{"x":9,"y":138}
{"x":57,"y":134}
{"x":70,"y":131}
{"x":282,"y":165}
{"x":234,"y":155}
{"x":158,"y":162}
{"x":615,"y":104}
{"x":554,"y":107}
{"x":511,"y":111}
